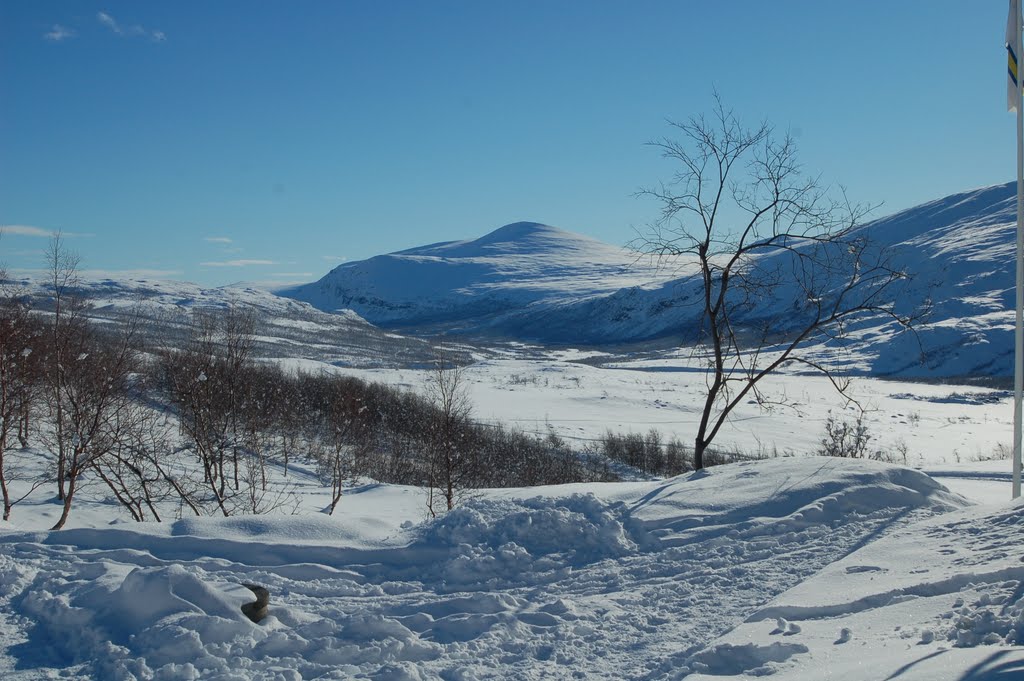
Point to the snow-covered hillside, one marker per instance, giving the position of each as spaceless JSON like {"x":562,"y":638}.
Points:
{"x":958,"y":252}
{"x":476,"y":283}
{"x":534,"y":282}
{"x":285,"y":328}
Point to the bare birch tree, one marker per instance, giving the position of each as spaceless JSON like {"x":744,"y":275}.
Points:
{"x":62,"y":278}
{"x":761,"y":233}
{"x":20,"y":369}
{"x":450,"y":461}
{"x":93,"y":402}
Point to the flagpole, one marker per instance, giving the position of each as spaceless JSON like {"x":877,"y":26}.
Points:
{"x":1018,"y":369}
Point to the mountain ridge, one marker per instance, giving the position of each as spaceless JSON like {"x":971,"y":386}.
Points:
{"x":532,"y":282}
{"x":516,"y":282}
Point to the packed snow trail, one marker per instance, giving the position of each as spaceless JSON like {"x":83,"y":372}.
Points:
{"x":939,"y":599}
{"x":632,"y":581}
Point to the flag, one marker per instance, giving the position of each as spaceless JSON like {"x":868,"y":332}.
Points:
{"x":1012,"y":44}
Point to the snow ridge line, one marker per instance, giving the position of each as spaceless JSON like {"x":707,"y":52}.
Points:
{"x":942,"y":587}
{"x":245,"y":553}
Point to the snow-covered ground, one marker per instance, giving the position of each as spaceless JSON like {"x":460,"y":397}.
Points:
{"x":802,"y":567}
{"x":808,"y":568}
{"x":962,"y":434}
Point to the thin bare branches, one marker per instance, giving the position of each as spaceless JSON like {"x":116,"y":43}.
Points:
{"x":782,"y":261}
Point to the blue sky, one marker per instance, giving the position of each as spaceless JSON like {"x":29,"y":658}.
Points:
{"x":268,"y":141}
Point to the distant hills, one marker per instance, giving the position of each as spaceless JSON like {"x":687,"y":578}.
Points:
{"x":285,"y":329}
{"x":535,"y":282}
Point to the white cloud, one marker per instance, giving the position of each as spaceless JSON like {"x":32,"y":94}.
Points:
{"x":23,"y":253}
{"x":238,"y":263}
{"x":59,"y":33}
{"x":25,"y":230}
{"x":28,"y":230}
{"x":217,"y":240}
{"x":110,"y":23}
{"x":134,"y":30}
{"x":333,"y":258}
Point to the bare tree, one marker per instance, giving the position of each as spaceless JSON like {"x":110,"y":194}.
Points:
{"x":62,"y":277}
{"x":341,"y":436}
{"x":136,"y":470}
{"x":93,"y":403}
{"x":19,"y":380}
{"x":782,"y":260}
{"x":237,"y":336}
{"x":451,"y":463}
{"x":208,"y":383}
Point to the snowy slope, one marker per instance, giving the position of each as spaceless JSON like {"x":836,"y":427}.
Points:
{"x":285,"y":328}
{"x":939,"y":599}
{"x":168,"y":295}
{"x":475,"y":282}
{"x":646,"y":580}
{"x":959,"y":251}
{"x":538,"y":283}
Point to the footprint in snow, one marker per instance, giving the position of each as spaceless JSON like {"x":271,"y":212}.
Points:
{"x":854,"y":569}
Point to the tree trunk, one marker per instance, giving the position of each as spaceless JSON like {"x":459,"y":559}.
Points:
{"x":698,"y":454}
{"x":23,"y":429}
{"x":68,"y":497}
{"x":3,"y":483}
{"x":61,"y":457}
{"x":284,"y":443}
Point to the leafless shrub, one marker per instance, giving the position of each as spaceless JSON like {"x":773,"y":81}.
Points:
{"x":845,"y":439}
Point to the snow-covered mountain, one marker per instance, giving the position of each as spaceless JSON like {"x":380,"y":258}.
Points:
{"x":476,"y":284}
{"x":285,"y":328}
{"x":528,"y":281}
{"x":959,"y":251}
{"x":534,"y":282}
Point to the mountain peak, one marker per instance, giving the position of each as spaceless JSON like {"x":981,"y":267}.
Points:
{"x":520,"y":232}
{"x":512,"y":267}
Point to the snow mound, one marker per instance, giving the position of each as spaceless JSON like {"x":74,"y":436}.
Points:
{"x":747,"y":499}
{"x":129,"y":625}
{"x":315,"y":529}
{"x":510,"y":542}
{"x":579,"y":526}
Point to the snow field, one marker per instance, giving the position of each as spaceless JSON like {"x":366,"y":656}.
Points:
{"x":799,"y":567}
{"x":635,"y":580}
{"x":938,"y":426}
